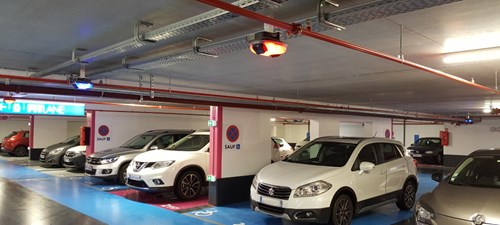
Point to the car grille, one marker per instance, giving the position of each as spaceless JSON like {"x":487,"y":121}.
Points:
{"x":95,"y":161}
{"x":274,"y":191}
{"x":138,"y":166}
{"x":271,"y":209}
{"x":70,"y":154}
{"x":91,"y":172}
{"x":137,"y":183}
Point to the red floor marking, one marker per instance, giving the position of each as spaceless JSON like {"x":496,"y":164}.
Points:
{"x":169,"y":202}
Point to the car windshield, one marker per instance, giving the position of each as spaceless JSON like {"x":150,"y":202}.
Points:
{"x":138,"y":141}
{"x":192,"y":142}
{"x":428,"y":142}
{"x":72,"y":139}
{"x":11,"y":135}
{"x":478,"y":171}
{"x":323,"y":153}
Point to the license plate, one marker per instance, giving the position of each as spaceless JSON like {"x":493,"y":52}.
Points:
{"x":134,"y":177}
{"x":271,"y":201}
{"x":88,"y":167}
{"x":42,"y":156}
{"x":417,"y":155}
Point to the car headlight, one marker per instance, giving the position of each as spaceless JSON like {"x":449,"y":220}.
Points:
{"x":162,"y":164}
{"x":312,"y":189}
{"x":424,"y":215}
{"x":255,"y":181}
{"x":56,"y":151}
{"x":109,"y":160}
{"x":429,"y":152}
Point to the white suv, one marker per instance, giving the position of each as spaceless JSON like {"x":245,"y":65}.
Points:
{"x":181,"y":167}
{"x":331,"y":179}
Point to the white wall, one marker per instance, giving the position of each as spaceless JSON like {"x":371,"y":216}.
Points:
{"x":48,"y":131}
{"x":412,"y":130}
{"x":74,"y":128}
{"x":255,"y":131}
{"x":357,"y":129}
{"x":124,"y":126}
{"x":465,"y":139}
{"x":292,"y":133}
{"x":7,"y":126}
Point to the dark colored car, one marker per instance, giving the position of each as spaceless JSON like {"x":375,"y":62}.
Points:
{"x":75,"y":157}
{"x":53,"y":155}
{"x":469,"y":195}
{"x":16,"y":143}
{"x":111,"y":164}
{"x":427,"y":149}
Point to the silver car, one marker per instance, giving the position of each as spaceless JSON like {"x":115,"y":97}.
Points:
{"x":470,"y":195}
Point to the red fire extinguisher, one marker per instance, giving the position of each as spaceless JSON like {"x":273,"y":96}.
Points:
{"x":445,"y":137}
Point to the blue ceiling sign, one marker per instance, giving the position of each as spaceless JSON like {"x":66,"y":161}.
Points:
{"x":27,"y":107}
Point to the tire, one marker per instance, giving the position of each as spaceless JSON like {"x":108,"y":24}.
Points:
{"x":342,"y":210}
{"x":122,"y":173}
{"x":407,"y":198}
{"x":20,"y":151}
{"x":188,"y":185}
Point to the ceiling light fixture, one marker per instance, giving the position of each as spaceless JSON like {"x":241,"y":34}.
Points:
{"x":82,"y":83}
{"x":479,"y":47}
{"x":267,"y":44}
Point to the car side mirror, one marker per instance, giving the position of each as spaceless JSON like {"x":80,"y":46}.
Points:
{"x":365,"y":167}
{"x":153,"y":147}
{"x":281,"y":145}
{"x":438,"y":176}
{"x":412,"y":144}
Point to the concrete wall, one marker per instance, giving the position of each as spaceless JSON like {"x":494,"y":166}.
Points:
{"x":48,"y":131}
{"x":123,"y":126}
{"x":7,"y":126}
{"x":73,"y":127}
{"x":465,"y":139}
{"x":292,"y":133}
{"x":412,"y":130}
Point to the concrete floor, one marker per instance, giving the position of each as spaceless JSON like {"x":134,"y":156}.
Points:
{"x":34,"y":194}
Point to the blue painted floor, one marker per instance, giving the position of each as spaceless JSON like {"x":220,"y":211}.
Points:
{"x":89,"y":197}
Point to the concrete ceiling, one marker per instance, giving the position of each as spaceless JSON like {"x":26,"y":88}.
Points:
{"x":40,"y":34}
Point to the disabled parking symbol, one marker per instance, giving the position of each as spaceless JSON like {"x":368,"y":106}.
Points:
{"x":232,"y":133}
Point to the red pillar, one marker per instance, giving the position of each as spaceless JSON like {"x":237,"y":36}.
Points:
{"x":32,"y":132}
{"x":215,"y":164}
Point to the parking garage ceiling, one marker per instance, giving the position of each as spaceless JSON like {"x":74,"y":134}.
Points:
{"x":39,"y":37}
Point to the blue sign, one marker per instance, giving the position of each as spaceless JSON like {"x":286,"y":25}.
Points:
{"x":28,"y":107}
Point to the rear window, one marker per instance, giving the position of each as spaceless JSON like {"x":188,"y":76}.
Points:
{"x":11,"y":134}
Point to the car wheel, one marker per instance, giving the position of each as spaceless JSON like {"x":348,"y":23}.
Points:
{"x":407,"y":198}
{"x":122,"y":173}
{"x":21,"y":151}
{"x":188,"y":185}
{"x":342,"y":210}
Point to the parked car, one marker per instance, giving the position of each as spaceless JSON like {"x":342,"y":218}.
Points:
{"x":427,"y":149}
{"x":75,"y":157}
{"x":301,"y":143}
{"x":468,"y":196}
{"x":332,"y":179}
{"x":16,"y":143}
{"x":181,"y":168}
{"x":53,"y":155}
{"x":112,"y":164}
{"x":280,"y":149}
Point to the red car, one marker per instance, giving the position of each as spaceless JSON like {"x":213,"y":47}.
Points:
{"x":16,"y":143}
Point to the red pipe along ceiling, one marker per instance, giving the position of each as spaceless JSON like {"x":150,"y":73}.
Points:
{"x":295,"y":28}
{"x":308,"y":107}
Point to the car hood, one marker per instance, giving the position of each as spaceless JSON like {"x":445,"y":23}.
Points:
{"x":294,"y":175}
{"x":80,"y":148}
{"x":59,"y":145}
{"x":464,"y":202}
{"x":114,"y":152}
{"x":163,"y":155}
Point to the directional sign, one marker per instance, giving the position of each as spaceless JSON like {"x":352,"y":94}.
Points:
{"x":42,"y":108}
{"x":212,"y":123}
